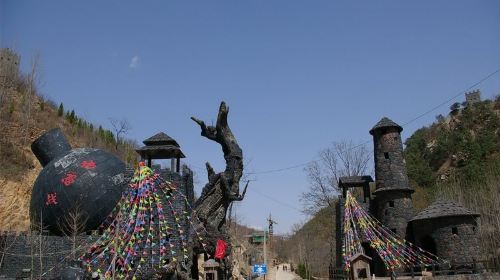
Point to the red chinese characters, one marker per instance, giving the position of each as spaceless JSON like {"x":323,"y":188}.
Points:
{"x":88,"y":164}
{"x":51,"y":199}
{"x":69,"y":178}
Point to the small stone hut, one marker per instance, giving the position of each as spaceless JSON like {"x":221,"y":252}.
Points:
{"x":447,"y":230}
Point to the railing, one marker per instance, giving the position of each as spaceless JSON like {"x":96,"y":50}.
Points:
{"x":451,"y":268}
{"x":490,"y":265}
{"x":339,"y":274}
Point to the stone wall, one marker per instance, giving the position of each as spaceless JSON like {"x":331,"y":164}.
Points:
{"x":22,"y":252}
{"x":184,"y":184}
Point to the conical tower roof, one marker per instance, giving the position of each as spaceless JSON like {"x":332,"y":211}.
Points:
{"x":444,"y":208}
{"x":385,"y":122}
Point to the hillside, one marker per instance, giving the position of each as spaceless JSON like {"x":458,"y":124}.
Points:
{"x":458,"y":157}
{"x":464,"y":144}
{"x":24,"y":116}
{"x":309,"y":245}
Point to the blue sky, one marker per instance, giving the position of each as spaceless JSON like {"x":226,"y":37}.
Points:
{"x":296,"y":75}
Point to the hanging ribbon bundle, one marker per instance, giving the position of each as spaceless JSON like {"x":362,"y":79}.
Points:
{"x":146,"y":229}
{"x":359,"y":226}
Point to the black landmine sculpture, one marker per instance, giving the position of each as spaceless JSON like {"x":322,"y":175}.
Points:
{"x":87,"y":180}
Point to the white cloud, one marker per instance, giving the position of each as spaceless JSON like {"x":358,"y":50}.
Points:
{"x":134,"y":62}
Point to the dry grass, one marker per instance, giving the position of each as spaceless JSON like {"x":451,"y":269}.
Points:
{"x":484,"y":198}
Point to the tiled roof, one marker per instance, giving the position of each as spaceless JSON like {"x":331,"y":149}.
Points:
{"x":160,"y":146}
{"x":160,"y":152}
{"x":443,"y":208}
{"x":405,"y":188}
{"x":160,"y":139}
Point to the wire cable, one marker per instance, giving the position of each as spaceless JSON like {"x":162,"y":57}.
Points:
{"x":485,"y":78}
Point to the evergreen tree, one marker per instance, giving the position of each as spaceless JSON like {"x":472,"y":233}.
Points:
{"x":72,"y":116}
{"x":60,"y":111}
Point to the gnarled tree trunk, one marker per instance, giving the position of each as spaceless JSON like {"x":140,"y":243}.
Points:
{"x":222,"y":188}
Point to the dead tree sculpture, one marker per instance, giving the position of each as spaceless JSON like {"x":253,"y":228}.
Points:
{"x":222,"y":188}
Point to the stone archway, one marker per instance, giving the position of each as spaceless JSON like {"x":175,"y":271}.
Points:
{"x":428,"y":244}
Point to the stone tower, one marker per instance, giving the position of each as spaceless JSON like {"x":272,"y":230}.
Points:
{"x":393,"y":204}
{"x":472,"y":97}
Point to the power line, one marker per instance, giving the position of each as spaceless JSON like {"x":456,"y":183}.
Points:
{"x":281,"y":169}
{"x":453,"y":97}
{"x":278,"y":201}
{"x":487,"y":77}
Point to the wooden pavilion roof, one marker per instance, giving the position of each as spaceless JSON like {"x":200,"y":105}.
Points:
{"x":160,"y":146}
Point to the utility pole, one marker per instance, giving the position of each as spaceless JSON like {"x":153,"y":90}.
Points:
{"x":271,"y":232}
{"x":265,"y":252}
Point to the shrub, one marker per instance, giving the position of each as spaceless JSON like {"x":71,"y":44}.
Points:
{"x":12,"y":107}
{"x":301,"y":271}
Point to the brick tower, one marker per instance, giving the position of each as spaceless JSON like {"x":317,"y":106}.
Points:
{"x":393,"y":204}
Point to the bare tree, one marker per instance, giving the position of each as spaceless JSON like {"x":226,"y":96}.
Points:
{"x":28,"y":97}
{"x":7,"y":240}
{"x":3,"y":85}
{"x":73,"y":224}
{"x":121,"y":128}
{"x":35,"y":239}
{"x":40,"y":229}
{"x":342,"y":158}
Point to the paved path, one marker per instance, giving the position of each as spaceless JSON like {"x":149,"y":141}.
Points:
{"x":280,"y":274}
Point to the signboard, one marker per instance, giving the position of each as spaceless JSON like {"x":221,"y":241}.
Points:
{"x":260,"y":269}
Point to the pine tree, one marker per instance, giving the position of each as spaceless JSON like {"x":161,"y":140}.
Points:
{"x":60,"y":111}
{"x":72,"y":117}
